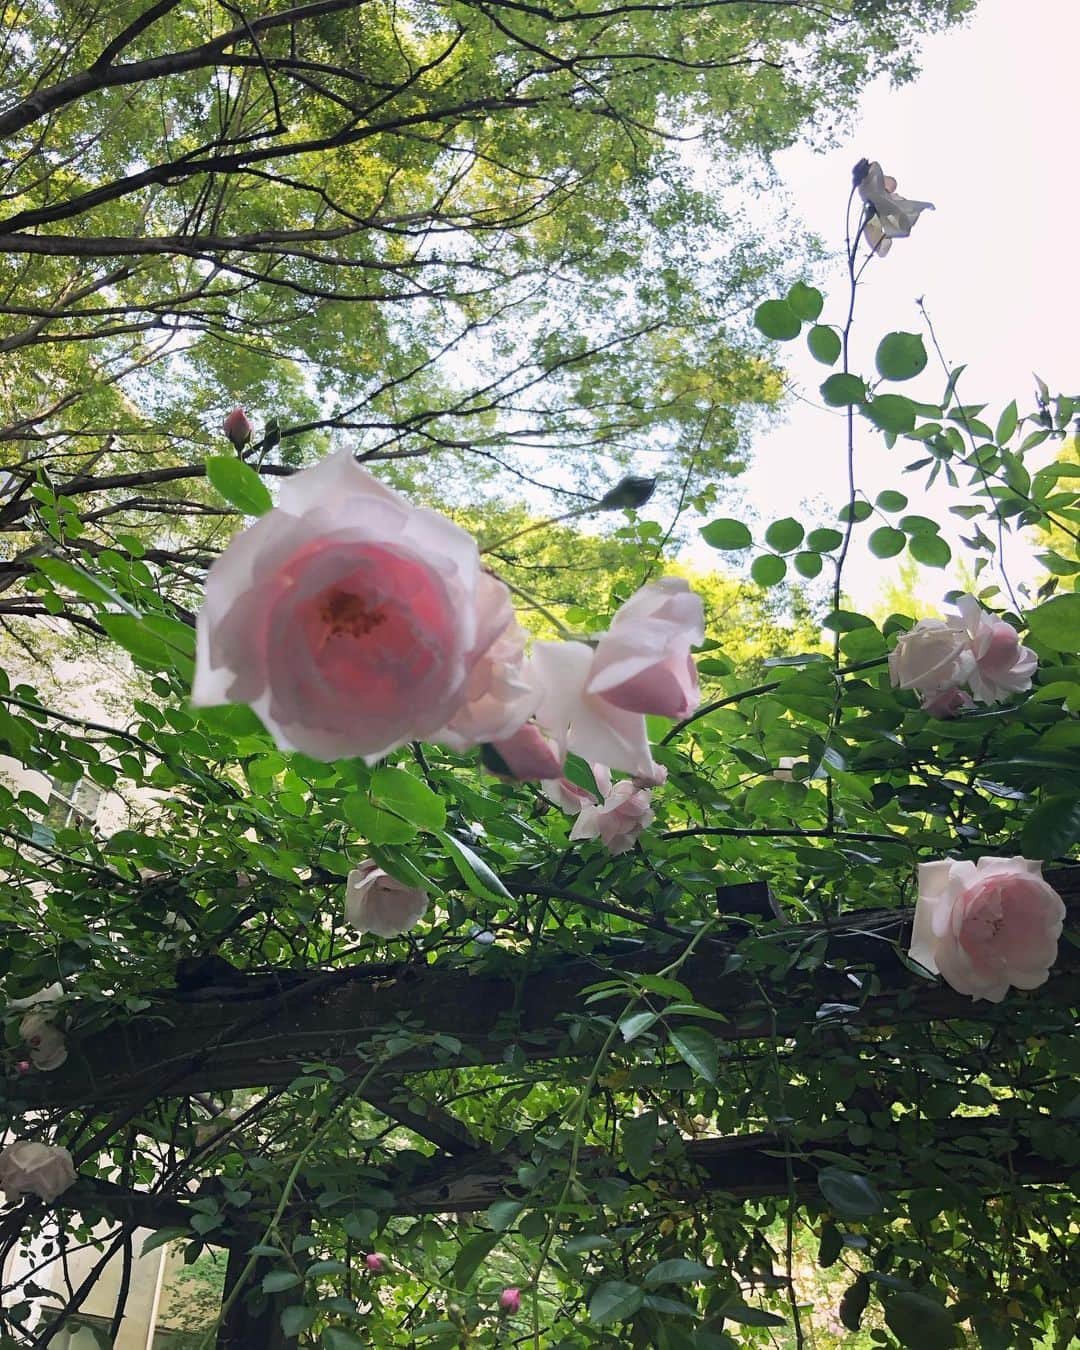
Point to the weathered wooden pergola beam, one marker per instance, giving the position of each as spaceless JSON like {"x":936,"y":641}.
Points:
{"x":263,"y":1031}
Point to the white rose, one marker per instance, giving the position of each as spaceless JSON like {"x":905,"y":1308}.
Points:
{"x":46,"y":1043}
{"x":932,"y":656}
{"x":27,"y":1167}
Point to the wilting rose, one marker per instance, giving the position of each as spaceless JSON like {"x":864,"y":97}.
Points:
{"x":932,"y":656}
{"x":985,"y":926}
{"x":350,"y":620}
{"x":510,"y":1300}
{"x":44,"y":1040}
{"x":237,"y":428}
{"x":376,"y":902}
{"x":619,"y":819}
{"x":945,"y":703}
{"x":30,"y":1168}
{"x":643,"y":663}
{"x":894,"y":216}
{"x":1001,"y":665}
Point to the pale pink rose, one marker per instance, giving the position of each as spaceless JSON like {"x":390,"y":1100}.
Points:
{"x":656,"y":777}
{"x":586,"y":723}
{"x":510,"y":1300}
{"x":44,"y":1040}
{"x":376,"y":902}
{"x":618,"y":820}
{"x":526,"y":755}
{"x":931,"y":657}
{"x":1002,"y":665}
{"x":945,"y":703}
{"x":375,"y":1262}
{"x":237,"y":428}
{"x":894,"y":216}
{"x":985,"y":926}
{"x":642,"y":663}
{"x":567,"y":795}
{"x":29,"y":1168}
{"x":348,"y":619}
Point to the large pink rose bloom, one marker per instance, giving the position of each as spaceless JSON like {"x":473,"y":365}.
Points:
{"x":1001,"y":665}
{"x":378,"y":903}
{"x":643,"y":663}
{"x":351,"y":621}
{"x":623,"y":814}
{"x":985,"y":926}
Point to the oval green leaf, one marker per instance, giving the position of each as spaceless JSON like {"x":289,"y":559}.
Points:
{"x":851,"y":1195}
{"x":807,"y":564}
{"x":930,"y":549}
{"x":824,"y":541}
{"x":784,"y":535}
{"x":727,"y":534}
{"x":239,"y":484}
{"x":824,"y":344}
{"x":840,"y":390}
{"x":900,"y":356}
{"x":1057,"y":623}
{"x":887,"y":542}
{"x":892,"y":412}
{"x":776,"y":319}
{"x":806,"y":301}
{"x":768,"y":570}
{"x":615,"y":1301}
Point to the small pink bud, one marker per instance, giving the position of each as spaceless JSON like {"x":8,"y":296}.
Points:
{"x":23,"y":1066}
{"x":375,"y":1262}
{"x":237,"y":427}
{"x":510,"y":1300}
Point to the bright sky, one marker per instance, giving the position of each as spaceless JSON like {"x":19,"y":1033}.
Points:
{"x":987,"y":133}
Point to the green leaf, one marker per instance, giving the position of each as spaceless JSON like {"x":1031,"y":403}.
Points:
{"x":1057,"y":623}
{"x":840,"y":390}
{"x":296,"y":1318}
{"x":830,"y":1246}
{"x":376,"y":825}
{"x":634,"y":1024}
{"x":776,"y":319}
{"x":807,"y":564}
{"x":77,"y":579}
{"x":853,"y":1304}
{"x":824,"y":541}
{"x":151,"y":649}
{"x":750,"y":1317}
{"x":587,"y":1242}
{"x":858,"y":510}
{"x":409,"y":798}
{"x":1006,"y":424}
{"x":162,"y":1237}
{"x":727,"y":534}
{"x":1052,"y":828}
{"x":824,"y":343}
{"x":474,"y":872}
{"x":784,"y":535}
{"x":615,"y":1301}
{"x":472,"y":1255}
{"x":278,"y":1280}
{"x":891,"y":501}
{"x":638,"y":1135}
{"x":900,"y":356}
{"x":887,"y":542}
{"x":503,"y":1214}
{"x":239,"y":484}
{"x":919,"y":1322}
{"x":852,"y":1196}
{"x":698,"y":1049}
{"x":337,"y":1338}
{"x":768,"y":569}
{"x":892,"y":412}
{"x":930,"y":549}
{"x":677,"y":1271}
{"x":806,"y":301}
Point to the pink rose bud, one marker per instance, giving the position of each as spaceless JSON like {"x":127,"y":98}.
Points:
{"x":510,"y":1300}
{"x":23,"y":1066}
{"x":947,"y":703}
{"x":375,"y":1262}
{"x":237,"y":428}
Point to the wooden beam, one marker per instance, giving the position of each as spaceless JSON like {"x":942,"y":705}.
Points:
{"x":264,"y":1030}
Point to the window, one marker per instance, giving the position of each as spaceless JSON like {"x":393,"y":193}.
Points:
{"x":72,"y":804}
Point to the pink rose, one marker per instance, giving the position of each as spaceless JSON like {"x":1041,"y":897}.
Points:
{"x":526,"y":755}
{"x":567,"y":795}
{"x":643,"y":663}
{"x":348,"y":619}
{"x":985,"y":926}
{"x":945,"y":703}
{"x":29,"y":1168}
{"x":1002,"y":665}
{"x":376,"y":902}
{"x":893,"y":216}
{"x":375,"y":1262}
{"x":46,"y":1043}
{"x":237,"y":428}
{"x":931,"y":657}
{"x":510,"y":1300}
{"x":619,"y":819}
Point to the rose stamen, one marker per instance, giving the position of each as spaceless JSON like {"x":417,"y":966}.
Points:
{"x":346,"y":614}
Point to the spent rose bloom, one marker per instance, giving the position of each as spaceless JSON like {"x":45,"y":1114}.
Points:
{"x":44,"y":1040}
{"x":352,"y":621}
{"x":30,"y":1168}
{"x":643,"y":663}
{"x":237,"y":428}
{"x":985,"y":926}
{"x":376,"y":902}
{"x":1001,"y":665}
{"x":893,"y":216}
{"x":623,"y":814}
{"x":510,"y":1300}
